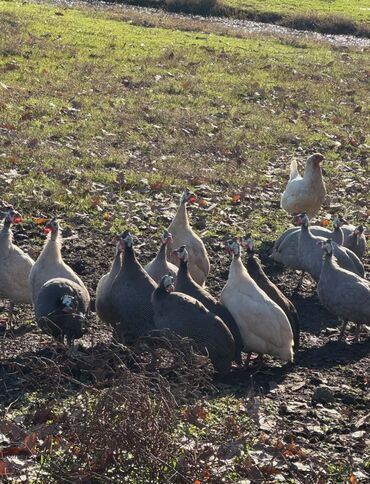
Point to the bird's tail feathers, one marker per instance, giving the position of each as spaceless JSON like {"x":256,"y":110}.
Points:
{"x":293,"y":170}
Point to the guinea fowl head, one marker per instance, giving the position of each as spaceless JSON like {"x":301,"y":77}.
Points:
{"x":302,"y":219}
{"x":315,"y":159}
{"x":359,"y":231}
{"x":126,"y":240}
{"x":188,"y":197}
{"x":181,"y":253}
{"x":337,"y":223}
{"x":167,"y":283}
{"x":247,"y":243}
{"x":68,"y":303}
{"x":233,"y":247}
{"x":327,"y":247}
{"x":13,"y":217}
{"x":166,"y":237}
{"x":52,"y":226}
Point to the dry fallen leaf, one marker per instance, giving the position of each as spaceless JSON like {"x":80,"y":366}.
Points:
{"x":40,"y":220}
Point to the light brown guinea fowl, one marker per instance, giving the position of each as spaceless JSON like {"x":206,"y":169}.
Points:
{"x":103,"y":303}
{"x":183,"y":234}
{"x":187,"y":317}
{"x":15,"y":265}
{"x":160,"y":266}
{"x":186,"y":284}
{"x":257,"y":273}
{"x":50,"y":263}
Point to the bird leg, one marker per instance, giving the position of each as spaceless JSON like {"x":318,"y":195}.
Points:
{"x":10,"y":317}
{"x":300,"y":281}
{"x":357,"y":333}
{"x":343,"y":328}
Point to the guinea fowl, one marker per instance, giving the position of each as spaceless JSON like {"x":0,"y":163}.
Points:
{"x":310,"y":253}
{"x":15,"y":265}
{"x":255,"y":270}
{"x":183,"y":234}
{"x":356,"y":241}
{"x":103,"y":303}
{"x":188,"y":317}
{"x":305,"y":194}
{"x":186,"y":284}
{"x":160,"y":266}
{"x":285,"y":249}
{"x":50,"y":264}
{"x":131,"y":295}
{"x":61,"y":308}
{"x":263,"y":325}
{"x":343,"y":293}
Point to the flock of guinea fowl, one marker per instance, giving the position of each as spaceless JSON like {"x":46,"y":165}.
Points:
{"x":252,"y":316}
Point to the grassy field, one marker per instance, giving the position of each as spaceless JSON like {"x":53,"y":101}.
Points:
{"x":354,"y":9}
{"x":105,"y":116}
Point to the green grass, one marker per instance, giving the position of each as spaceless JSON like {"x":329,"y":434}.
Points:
{"x":353,"y":9}
{"x":91,"y":105}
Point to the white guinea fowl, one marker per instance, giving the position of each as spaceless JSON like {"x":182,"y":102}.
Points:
{"x":183,"y":234}
{"x":50,"y":264}
{"x":15,"y":265}
{"x":103,"y":304}
{"x":343,"y":293}
{"x":263,"y":325}
{"x":307,"y":193}
{"x":160,"y":266}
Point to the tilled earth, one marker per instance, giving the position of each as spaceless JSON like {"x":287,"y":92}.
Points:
{"x":313,"y":417}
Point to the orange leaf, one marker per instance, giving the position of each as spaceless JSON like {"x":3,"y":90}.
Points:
{"x":156,"y":185}
{"x":30,"y":442}
{"x":197,"y":481}
{"x":353,"y":479}
{"x":4,"y":468}
{"x":14,"y":451}
{"x":236,"y":197}
{"x":107,"y":216}
{"x":40,"y":220}
{"x":202,"y":202}
{"x":324,"y":222}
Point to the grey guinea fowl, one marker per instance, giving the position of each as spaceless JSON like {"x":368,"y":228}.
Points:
{"x":61,"y":308}
{"x":186,"y":284}
{"x":50,"y":264}
{"x":343,"y":293}
{"x":285,"y":249}
{"x":356,"y":241}
{"x":131,"y":294}
{"x":15,"y":265}
{"x":103,"y":303}
{"x":187,"y":317}
{"x":160,"y":266}
{"x":310,"y":253}
{"x":255,"y":270}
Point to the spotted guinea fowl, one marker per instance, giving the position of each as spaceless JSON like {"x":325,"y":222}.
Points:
{"x":356,"y":241}
{"x":160,"y":266}
{"x":343,"y":293}
{"x":131,"y":294}
{"x":263,"y":325}
{"x":187,"y":317}
{"x":255,"y":270}
{"x":183,"y":234}
{"x":308,"y":193}
{"x":285,"y":249}
{"x":50,"y":264}
{"x":61,"y":308}
{"x":15,"y":265}
{"x":310,"y":253}
{"x":103,"y":303}
{"x":186,"y":284}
